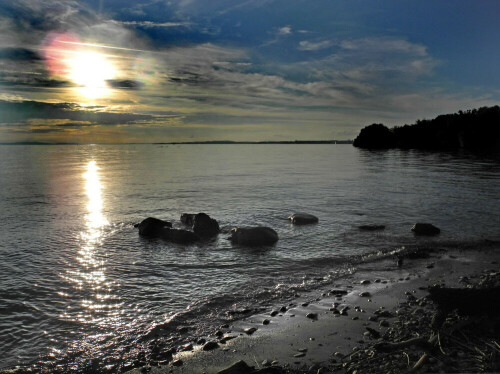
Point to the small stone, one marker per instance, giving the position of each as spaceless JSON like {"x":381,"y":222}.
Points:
{"x":177,"y":363}
{"x":266,"y":363}
{"x":355,"y":318}
{"x":283,"y":309}
{"x":365,"y":294}
{"x":364,"y":282}
{"x":187,"y":347}
{"x":182,"y":330}
{"x":302,"y":350}
{"x":275,"y":362}
{"x":201,"y":341}
{"x":299,"y":355}
{"x":273,"y":313}
{"x":250,"y":330}
{"x":312,"y":315}
{"x":384,"y":323}
{"x":266,"y":322}
{"x":304,"y":304}
{"x":209,"y":346}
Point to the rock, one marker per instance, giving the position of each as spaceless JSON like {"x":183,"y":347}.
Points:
{"x":299,"y":355}
{"x":152,"y":227}
{"x":182,"y":329}
{"x":250,"y":330}
{"x":253,"y":236}
{"x":365,"y":294}
{"x":188,"y":218}
{"x":371,"y":227}
{"x":240,"y":367}
{"x":209,"y":346}
{"x":266,"y":322}
{"x":364,"y":282}
{"x":373,"y":333}
{"x":273,"y":313}
{"x":177,"y":363}
{"x":179,"y":236}
{"x":312,"y":315}
{"x":303,"y":219}
{"x":384,"y":323}
{"x":425,"y":229}
{"x":204,"y":226}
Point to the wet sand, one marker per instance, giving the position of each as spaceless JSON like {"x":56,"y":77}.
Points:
{"x":298,"y":343}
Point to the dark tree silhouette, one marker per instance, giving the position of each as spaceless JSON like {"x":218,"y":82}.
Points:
{"x":477,"y":129}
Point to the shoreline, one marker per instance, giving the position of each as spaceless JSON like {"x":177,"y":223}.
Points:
{"x":294,"y":342}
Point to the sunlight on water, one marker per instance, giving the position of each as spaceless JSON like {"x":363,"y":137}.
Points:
{"x":90,"y":276}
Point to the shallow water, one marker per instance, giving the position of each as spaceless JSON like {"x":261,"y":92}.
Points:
{"x":80,"y":289}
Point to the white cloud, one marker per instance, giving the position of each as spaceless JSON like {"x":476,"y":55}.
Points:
{"x":285,"y":30}
{"x":314,"y":46}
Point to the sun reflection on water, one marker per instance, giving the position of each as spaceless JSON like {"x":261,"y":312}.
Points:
{"x":98,"y":304}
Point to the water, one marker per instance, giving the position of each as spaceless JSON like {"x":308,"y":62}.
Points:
{"x":80,"y":290}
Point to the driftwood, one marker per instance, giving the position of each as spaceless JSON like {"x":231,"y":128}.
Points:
{"x":466,"y":301}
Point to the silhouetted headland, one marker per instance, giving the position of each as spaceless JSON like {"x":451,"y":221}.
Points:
{"x":477,"y":129}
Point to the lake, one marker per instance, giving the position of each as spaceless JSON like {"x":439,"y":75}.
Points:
{"x":79,"y":289}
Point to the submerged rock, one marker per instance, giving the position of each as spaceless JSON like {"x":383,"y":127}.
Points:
{"x":426,"y":229}
{"x":371,"y":227}
{"x":254,"y":236}
{"x":303,"y":219}
{"x":152,"y":227}
{"x":179,"y":236}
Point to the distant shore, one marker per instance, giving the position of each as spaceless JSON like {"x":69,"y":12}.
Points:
{"x":312,"y":336}
{"x":218,"y":142}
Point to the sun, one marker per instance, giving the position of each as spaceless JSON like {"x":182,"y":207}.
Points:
{"x":90,"y":71}
{"x":80,"y":63}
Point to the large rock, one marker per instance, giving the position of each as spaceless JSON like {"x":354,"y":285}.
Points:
{"x":303,"y":219}
{"x":426,"y":229}
{"x":179,"y":236}
{"x":187,"y":218}
{"x":254,"y":236}
{"x":204,"y":226}
{"x":152,"y":227}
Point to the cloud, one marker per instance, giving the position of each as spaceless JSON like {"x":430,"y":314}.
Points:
{"x":314,"y":46}
{"x":128,"y":84}
{"x":285,"y":30}
{"x":23,"y":111}
{"x":19,"y":54}
{"x":149,"y":24}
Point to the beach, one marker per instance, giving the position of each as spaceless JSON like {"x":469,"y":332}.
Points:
{"x":325,"y":331}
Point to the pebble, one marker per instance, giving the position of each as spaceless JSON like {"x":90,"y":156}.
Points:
{"x":365,"y":294}
{"x":299,"y":355}
{"x":303,"y":350}
{"x":177,"y":363}
{"x":384,"y":323}
{"x":312,"y":315}
{"x":266,"y":363}
{"x":273,"y":313}
{"x":250,"y":330}
{"x":182,"y":330}
{"x":266,"y":322}
{"x":366,"y":281}
{"x":210,"y":346}
{"x":283,"y":309}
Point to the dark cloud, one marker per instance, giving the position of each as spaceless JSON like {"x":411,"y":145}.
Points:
{"x":20,"y":111}
{"x":128,"y":84}
{"x":23,"y":54}
{"x":31,"y":80}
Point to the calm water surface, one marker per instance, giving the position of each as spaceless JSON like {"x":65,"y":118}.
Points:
{"x":79,"y":289}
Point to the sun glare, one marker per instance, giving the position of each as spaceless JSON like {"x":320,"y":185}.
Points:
{"x":78,"y":62}
{"x":90,"y":71}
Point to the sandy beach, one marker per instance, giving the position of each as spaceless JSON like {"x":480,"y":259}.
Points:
{"x":325,"y":331}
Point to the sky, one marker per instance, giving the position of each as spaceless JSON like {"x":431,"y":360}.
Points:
{"x":120,"y":71}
